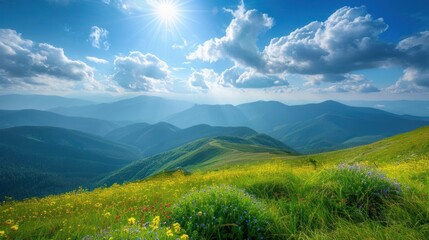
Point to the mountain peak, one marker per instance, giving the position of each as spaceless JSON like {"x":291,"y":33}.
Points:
{"x":332,"y":103}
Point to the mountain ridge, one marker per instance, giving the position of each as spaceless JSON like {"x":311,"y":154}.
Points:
{"x":38,"y":161}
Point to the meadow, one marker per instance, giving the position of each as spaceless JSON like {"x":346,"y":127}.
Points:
{"x":377,"y":191}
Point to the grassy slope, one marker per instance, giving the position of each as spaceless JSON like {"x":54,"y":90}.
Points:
{"x":208,"y":153}
{"x":292,"y":189}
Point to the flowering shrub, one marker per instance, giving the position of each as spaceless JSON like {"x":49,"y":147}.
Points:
{"x":222,"y":212}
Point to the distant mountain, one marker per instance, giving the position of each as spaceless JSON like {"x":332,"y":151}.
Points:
{"x":39,"y":102}
{"x":402,"y":107}
{"x":36,"y":161}
{"x":307,"y":128}
{"x":208,"y":153}
{"x":15,"y":118}
{"x":214,"y":115}
{"x":138,"y":109}
{"x":160,"y":137}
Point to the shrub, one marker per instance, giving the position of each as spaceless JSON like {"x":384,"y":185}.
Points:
{"x":222,"y":212}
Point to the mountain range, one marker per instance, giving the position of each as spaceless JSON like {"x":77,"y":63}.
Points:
{"x":37,"y":161}
{"x":38,"y":102}
{"x":138,"y":109}
{"x":29,"y":117}
{"x":307,"y":128}
{"x":160,"y":137}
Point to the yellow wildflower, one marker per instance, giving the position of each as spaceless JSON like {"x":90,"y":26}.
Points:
{"x":98,"y":205}
{"x":177,"y":227}
{"x":9,"y":222}
{"x":199,"y":213}
{"x":131,"y":221}
{"x":155,"y":222}
{"x":184,"y":237}
{"x":169,"y":233}
{"x":14,"y":227}
{"x":2,"y":233}
{"x":107,"y":214}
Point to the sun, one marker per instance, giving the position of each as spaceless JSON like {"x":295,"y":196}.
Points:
{"x":167,"y":12}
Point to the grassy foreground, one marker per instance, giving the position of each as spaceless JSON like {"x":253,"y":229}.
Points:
{"x":378,"y":191}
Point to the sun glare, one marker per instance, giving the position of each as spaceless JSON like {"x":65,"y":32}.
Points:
{"x":167,"y":12}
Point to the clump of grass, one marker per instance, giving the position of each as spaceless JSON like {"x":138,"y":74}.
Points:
{"x":222,"y":212}
{"x":357,"y":193}
{"x":352,"y":193}
{"x":274,"y":188}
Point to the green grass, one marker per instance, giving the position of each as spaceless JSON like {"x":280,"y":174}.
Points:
{"x":378,"y":191}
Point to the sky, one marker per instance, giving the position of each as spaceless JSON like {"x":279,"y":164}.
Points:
{"x":220,"y":51}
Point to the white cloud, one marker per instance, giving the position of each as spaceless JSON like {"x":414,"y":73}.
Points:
{"x":415,"y":58}
{"x":249,"y":78}
{"x":347,"y":41}
{"x":183,"y":45}
{"x":413,"y":80}
{"x":239,"y":42}
{"x":97,"y":60}
{"x":323,"y":51}
{"x":202,"y":80}
{"x":98,"y":37}
{"x":141,"y":72}
{"x":354,"y":83}
{"x":24,"y":63}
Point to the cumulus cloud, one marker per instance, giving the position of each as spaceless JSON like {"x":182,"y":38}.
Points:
{"x":141,"y":72}
{"x":23,"y":62}
{"x":249,"y":78}
{"x":239,"y":42}
{"x":347,"y":41}
{"x":203,"y":79}
{"x":415,"y":59}
{"x":355,"y":83}
{"x":326,"y":51}
{"x":412,"y":80}
{"x":97,"y":60}
{"x":98,"y":37}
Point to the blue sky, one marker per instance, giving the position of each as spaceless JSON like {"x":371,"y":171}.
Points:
{"x":216,"y":51}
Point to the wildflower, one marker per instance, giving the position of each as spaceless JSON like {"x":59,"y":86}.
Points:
{"x":176,"y":227}
{"x":200,"y":214}
{"x":169,"y":233}
{"x":184,"y":237}
{"x":155,"y":222}
{"x":107,"y":214}
{"x":9,"y":222}
{"x":131,"y":221}
{"x":98,"y":205}
{"x":2,"y":233}
{"x":14,"y":227}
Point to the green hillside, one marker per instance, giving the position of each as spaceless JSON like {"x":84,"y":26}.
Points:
{"x":161,"y":137}
{"x":208,"y":153}
{"x":377,"y":191}
{"x":38,"y":161}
